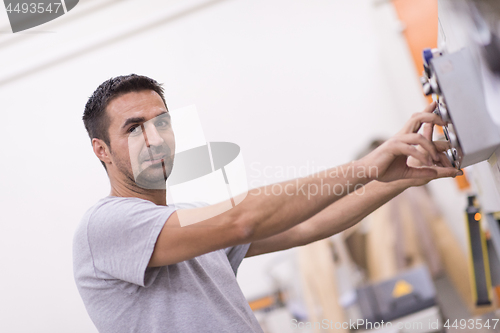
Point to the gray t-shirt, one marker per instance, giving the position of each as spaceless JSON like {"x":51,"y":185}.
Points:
{"x":111,"y":250}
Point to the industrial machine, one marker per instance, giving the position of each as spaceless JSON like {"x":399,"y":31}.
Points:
{"x":463,"y":76}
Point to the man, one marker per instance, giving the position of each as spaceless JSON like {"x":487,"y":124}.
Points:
{"x":139,"y":268}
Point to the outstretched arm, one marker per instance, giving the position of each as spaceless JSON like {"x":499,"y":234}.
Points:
{"x":351,"y":209}
{"x":260,"y":216}
{"x":337,"y":217}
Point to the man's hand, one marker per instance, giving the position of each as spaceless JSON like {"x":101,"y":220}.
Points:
{"x":411,"y":156}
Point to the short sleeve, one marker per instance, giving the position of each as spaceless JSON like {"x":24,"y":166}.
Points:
{"x":122,"y":233}
{"x":235,"y":255}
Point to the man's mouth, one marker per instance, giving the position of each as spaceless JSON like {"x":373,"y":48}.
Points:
{"x":155,"y":159}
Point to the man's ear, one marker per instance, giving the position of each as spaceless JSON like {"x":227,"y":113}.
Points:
{"x":101,"y":150}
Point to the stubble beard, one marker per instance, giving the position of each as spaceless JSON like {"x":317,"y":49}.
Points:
{"x":152,"y":177}
{"x":155,"y":176}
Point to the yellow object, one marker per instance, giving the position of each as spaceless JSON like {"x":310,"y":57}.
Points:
{"x":402,"y":288}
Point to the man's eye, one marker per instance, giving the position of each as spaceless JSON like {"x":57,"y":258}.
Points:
{"x":162,"y":123}
{"x":134,"y":129}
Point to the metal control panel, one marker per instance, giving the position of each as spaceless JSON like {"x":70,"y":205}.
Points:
{"x":454,"y":81}
{"x":454,"y":74}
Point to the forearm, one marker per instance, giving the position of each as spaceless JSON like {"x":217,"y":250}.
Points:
{"x":270,"y":210}
{"x":350,"y":210}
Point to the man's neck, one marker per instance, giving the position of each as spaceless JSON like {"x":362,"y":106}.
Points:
{"x":158,"y":197}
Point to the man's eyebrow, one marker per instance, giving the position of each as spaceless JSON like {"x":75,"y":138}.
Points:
{"x":136,"y":120}
{"x":164,"y":114}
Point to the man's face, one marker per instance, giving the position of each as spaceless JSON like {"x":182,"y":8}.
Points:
{"x":141,"y":138}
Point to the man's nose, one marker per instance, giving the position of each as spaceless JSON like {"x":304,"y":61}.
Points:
{"x":151,"y":135}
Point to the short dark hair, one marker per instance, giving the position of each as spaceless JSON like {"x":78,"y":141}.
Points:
{"x":94,"y":117}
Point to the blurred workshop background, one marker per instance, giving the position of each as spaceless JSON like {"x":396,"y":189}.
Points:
{"x":299,"y":85}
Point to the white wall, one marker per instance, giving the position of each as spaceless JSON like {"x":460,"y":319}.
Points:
{"x":293,"y":82}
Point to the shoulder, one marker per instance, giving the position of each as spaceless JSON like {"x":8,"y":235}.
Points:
{"x":119,"y":215}
{"x":122,"y":214}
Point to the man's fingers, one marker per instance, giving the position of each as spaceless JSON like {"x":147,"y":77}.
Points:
{"x":434,"y":172}
{"x":431,"y":107}
{"x":443,"y":172}
{"x":429,"y":127}
{"x":417,"y":119}
{"x":445,"y":162}
{"x":422,"y":173}
{"x":427,"y":145}
{"x":428,"y":130}
{"x":409,"y":150}
{"x":442,"y":145}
